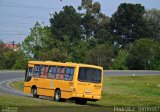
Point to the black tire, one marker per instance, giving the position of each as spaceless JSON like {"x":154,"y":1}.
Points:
{"x":63,"y":100}
{"x":57,"y":95}
{"x":34,"y":93}
{"x":81,"y":101}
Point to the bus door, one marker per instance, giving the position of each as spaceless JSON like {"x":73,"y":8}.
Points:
{"x":28,"y":77}
{"x":28,"y":74}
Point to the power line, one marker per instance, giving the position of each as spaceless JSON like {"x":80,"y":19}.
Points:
{"x":18,"y":25}
{"x":12,"y":31}
{"x":8,"y":26}
{"x":13,"y":43}
{"x":26,"y":17}
{"x":28,"y":7}
{"x":14,"y":23}
{"x":12,"y":34}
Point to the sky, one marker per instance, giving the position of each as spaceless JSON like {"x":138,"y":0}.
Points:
{"x":17,"y":17}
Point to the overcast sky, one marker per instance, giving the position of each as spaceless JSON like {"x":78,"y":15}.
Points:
{"x":18,"y":16}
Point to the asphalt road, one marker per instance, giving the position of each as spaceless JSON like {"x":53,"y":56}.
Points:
{"x":7,"y":77}
{"x":10,"y":76}
{"x":130,"y":72}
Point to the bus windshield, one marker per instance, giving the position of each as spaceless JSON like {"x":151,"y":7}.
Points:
{"x":89,"y":75}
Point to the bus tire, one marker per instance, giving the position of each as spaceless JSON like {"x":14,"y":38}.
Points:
{"x":81,"y":101}
{"x":57,"y":95}
{"x":34,"y":93}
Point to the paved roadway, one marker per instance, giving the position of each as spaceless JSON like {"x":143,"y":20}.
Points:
{"x":10,"y":76}
{"x":130,"y":72}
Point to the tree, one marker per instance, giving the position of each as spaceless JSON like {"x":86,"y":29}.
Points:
{"x":1,"y":55}
{"x":96,"y":7}
{"x":33,"y":44}
{"x":101,"y":55}
{"x":155,"y":63}
{"x":10,"y":59}
{"x":40,"y":39}
{"x":142,"y":53}
{"x":94,"y":22}
{"x":152,"y":18}
{"x":21,"y":61}
{"x":14,"y":59}
{"x":103,"y":36}
{"x":120,"y":61}
{"x":92,"y":8}
{"x":127,"y":23}
{"x":66,"y":23}
{"x":89,"y":26}
{"x":57,"y":55}
{"x":78,"y":51}
{"x":86,"y":4}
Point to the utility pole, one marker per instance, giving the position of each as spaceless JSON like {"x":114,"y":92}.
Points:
{"x":13,"y":43}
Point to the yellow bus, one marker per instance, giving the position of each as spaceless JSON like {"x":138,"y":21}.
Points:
{"x":62,"y":81}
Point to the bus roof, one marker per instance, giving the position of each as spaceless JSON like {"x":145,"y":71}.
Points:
{"x":63,"y":64}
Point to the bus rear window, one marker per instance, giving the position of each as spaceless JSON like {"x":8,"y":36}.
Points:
{"x":89,"y":75}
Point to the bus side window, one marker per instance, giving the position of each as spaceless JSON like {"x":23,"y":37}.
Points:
{"x":36,"y":70}
{"x":69,"y":74}
{"x":52,"y":72}
{"x":44,"y":71}
{"x":60,"y":73}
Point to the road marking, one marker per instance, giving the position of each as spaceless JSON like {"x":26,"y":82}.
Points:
{"x":11,"y":90}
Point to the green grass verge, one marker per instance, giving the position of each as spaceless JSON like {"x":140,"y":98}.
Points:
{"x":11,"y":100}
{"x":131,"y":91}
{"x":117,"y":91}
{"x":18,"y":85}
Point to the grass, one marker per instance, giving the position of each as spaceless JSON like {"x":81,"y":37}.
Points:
{"x":11,"y":100}
{"x":131,"y":91}
{"x":18,"y":85}
{"x":117,"y":91}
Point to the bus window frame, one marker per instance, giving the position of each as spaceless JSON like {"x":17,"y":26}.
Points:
{"x":60,"y":74}
{"x":28,"y":75}
{"x":39,"y":72}
{"x":54,"y":74}
{"x":69,"y":74}
{"x":44,"y":73}
{"x":86,"y":76}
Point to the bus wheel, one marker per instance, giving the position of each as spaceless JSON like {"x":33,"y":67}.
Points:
{"x":34,"y":92}
{"x":57,"y":95}
{"x":81,"y":101}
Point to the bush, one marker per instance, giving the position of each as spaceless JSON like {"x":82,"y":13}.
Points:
{"x":101,"y":55}
{"x":144,"y":54}
{"x":120,"y":61}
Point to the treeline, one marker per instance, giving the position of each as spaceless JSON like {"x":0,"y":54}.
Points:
{"x":129,"y":39}
{"x":10,"y":59}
